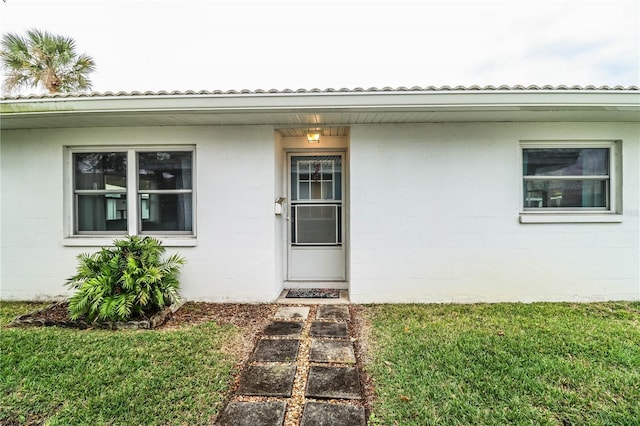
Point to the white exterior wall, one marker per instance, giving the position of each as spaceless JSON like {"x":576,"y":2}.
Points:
{"x":234,"y":256}
{"x":435,"y":218}
{"x":432,"y":214}
{"x":280,"y":231}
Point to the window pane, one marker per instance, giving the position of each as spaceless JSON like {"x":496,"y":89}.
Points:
{"x":327,"y":190}
{"x":303,"y":170}
{"x":316,"y":191}
{"x":164,"y":170}
{"x":100,"y":170}
{"x":566,"y":193}
{"x":337,"y":177}
{"x":166,"y":212}
{"x":566,"y":162}
{"x":104,"y":212}
{"x":316,"y":224}
{"x":304,"y":190}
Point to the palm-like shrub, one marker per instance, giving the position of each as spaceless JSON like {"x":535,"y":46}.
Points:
{"x":124,"y":281}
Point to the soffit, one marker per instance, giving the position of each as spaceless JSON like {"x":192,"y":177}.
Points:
{"x":307,"y":120}
{"x":334,"y":111}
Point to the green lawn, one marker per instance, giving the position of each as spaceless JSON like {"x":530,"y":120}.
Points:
{"x":542,"y":363}
{"x":96,"y":377}
{"x":432,"y":364}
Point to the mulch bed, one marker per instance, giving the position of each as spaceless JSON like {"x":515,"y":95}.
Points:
{"x":57,"y":314}
{"x":238,"y":314}
{"x":190,"y":313}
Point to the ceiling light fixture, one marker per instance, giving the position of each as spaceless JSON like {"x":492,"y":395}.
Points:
{"x":313,"y":136}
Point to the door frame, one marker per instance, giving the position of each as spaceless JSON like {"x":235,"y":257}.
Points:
{"x":333,"y":282}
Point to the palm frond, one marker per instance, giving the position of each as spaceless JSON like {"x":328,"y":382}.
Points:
{"x":43,"y":59}
{"x":129,"y":278}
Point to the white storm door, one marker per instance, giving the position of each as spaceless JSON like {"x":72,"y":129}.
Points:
{"x":316,"y":218}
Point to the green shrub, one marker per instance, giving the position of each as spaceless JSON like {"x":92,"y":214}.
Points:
{"x":124,"y":281}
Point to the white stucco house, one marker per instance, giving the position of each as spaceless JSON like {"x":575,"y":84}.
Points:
{"x":462,"y":194}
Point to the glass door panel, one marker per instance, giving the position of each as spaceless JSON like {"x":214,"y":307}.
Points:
{"x":316,"y":178}
{"x":316,"y":205}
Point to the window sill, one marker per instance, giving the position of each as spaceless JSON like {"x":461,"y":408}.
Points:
{"x":102,"y":241}
{"x":570,"y":218}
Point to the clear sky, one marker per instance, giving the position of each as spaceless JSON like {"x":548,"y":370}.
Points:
{"x":265,"y":44}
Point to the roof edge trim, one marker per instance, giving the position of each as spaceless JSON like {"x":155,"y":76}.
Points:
{"x":315,"y":91}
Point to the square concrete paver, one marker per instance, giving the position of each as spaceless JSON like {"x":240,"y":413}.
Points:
{"x":267,"y":380}
{"x":325,"y":414}
{"x":253,"y":414}
{"x":340,"y":351}
{"x":292,"y":312}
{"x":283,"y":328}
{"x":276,"y":350}
{"x":329,"y":329}
{"x":335,"y":312}
{"x":333,"y":382}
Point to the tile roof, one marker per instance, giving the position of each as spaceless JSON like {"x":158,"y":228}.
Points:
{"x":502,"y":88}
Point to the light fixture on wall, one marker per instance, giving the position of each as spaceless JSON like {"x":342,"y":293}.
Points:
{"x":313,"y":136}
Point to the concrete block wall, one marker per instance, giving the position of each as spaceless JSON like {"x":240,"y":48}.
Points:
{"x":233,"y":259}
{"x":433,"y":214}
{"x":435,"y":218}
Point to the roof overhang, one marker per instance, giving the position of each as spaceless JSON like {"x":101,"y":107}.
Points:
{"x":288,"y":109}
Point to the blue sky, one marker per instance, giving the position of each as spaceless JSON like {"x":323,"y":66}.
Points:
{"x":242,"y":44}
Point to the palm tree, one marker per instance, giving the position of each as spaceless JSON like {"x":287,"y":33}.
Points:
{"x":44,"y":59}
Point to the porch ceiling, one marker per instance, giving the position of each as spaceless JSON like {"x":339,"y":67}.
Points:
{"x":302,"y":131}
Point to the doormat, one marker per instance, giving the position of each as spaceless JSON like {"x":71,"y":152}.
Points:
{"x":313,"y":293}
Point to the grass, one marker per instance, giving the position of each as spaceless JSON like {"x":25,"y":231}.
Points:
{"x":58,"y":376}
{"x":542,"y":363}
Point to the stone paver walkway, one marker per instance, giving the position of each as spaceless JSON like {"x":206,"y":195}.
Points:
{"x":302,"y":372}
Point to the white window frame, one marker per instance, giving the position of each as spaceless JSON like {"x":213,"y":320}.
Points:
{"x":611,"y":213}
{"x":134,"y":225}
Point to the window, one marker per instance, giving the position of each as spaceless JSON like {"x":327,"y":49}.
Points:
{"x":133,"y":191}
{"x":100,"y":192}
{"x":165,"y":191}
{"x":576,"y":177}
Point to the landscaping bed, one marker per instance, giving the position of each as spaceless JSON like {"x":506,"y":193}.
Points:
{"x":57,"y":314}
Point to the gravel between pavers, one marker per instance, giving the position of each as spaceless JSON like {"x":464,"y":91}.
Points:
{"x":295,"y":404}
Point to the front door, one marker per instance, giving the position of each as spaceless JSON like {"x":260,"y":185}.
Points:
{"x":316,"y":247}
